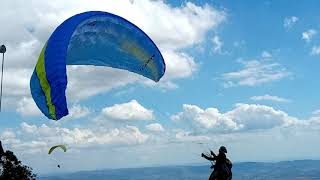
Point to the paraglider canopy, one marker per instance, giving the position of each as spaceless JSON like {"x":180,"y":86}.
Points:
{"x":63,"y":147}
{"x":91,"y":38}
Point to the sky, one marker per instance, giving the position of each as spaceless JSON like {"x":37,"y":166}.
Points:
{"x":240,"y":74}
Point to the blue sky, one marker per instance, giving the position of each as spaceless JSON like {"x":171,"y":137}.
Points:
{"x":242,"y":74}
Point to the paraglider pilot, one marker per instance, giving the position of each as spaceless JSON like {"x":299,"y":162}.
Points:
{"x":222,"y":166}
{"x":1,"y":150}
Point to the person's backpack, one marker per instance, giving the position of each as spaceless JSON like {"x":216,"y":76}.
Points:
{"x":229,"y":164}
{"x":226,"y":169}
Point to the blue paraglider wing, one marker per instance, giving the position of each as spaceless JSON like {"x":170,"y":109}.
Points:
{"x":91,"y":38}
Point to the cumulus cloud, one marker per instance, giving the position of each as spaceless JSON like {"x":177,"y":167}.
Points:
{"x":255,"y":73}
{"x":316,"y":112}
{"x":308,"y":35}
{"x":8,"y":136}
{"x":26,"y":34}
{"x":249,"y":124}
{"x":27,"y":107}
{"x":85,"y":81}
{"x":40,"y":138}
{"x":155,"y":127}
{"x":16,"y":82}
{"x":289,"y":22}
{"x":77,"y":111}
{"x":314,"y":122}
{"x":315,"y":50}
{"x":266,"y":55}
{"x":217,"y":44}
{"x":205,"y":119}
{"x":127,"y":111}
{"x":242,"y":117}
{"x":187,"y":17}
{"x":255,"y":116}
{"x":181,"y":65}
{"x":268,"y":97}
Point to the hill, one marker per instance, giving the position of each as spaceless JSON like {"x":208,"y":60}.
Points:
{"x":287,"y":170}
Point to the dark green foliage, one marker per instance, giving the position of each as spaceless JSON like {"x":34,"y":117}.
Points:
{"x":12,"y":169}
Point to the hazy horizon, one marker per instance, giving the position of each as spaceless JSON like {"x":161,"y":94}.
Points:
{"x":306,"y":169}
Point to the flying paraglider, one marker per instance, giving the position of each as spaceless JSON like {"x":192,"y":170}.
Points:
{"x":63,"y":147}
{"x":90,"y":38}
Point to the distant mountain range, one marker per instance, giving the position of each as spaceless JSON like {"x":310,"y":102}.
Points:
{"x":287,"y":170}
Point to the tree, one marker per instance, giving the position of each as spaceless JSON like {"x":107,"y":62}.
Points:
{"x":12,"y":169}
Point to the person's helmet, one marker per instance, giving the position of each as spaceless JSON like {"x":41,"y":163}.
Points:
{"x":223,"y":149}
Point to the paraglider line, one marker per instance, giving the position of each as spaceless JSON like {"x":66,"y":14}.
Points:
{"x":145,"y":65}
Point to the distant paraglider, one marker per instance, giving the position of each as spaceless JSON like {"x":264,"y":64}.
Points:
{"x":91,"y":38}
{"x":63,"y":147}
{"x":53,"y":148}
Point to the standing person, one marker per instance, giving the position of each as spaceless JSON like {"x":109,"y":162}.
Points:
{"x":1,"y":150}
{"x":222,"y":166}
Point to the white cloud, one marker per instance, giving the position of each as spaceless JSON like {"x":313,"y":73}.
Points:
{"x":268,"y":97}
{"x":314,"y":121}
{"x":27,"y":107}
{"x":217,"y":44}
{"x":9,"y":137}
{"x":129,"y":135}
{"x":255,"y":73}
{"x":77,"y":111}
{"x":259,"y":128}
{"x":242,"y":117}
{"x":316,"y":113}
{"x":32,"y":138}
{"x":87,"y":81}
{"x":308,"y":35}
{"x":155,"y":127}
{"x":128,"y":111}
{"x":266,"y":55}
{"x":315,"y":50}
{"x":181,"y":65}
{"x":16,"y":82}
{"x":204,"y":119}
{"x":7,"y":134}
{"x":189,"y":24}
{"x":239,"y":44}
{"x":29,"y":128}
{"x":255,"y":116}
{"x":290,"y":21}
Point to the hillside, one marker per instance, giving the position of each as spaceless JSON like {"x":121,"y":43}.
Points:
{"x":288,"y":170}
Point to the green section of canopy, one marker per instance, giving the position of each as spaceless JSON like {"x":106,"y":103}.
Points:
{"x":63,"y":147}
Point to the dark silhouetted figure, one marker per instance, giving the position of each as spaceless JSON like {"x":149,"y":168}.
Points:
{"x":222,"y":166}
{"x":1,"y":150}
{"x":12,"y":169}
{"x":58,"y":166}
